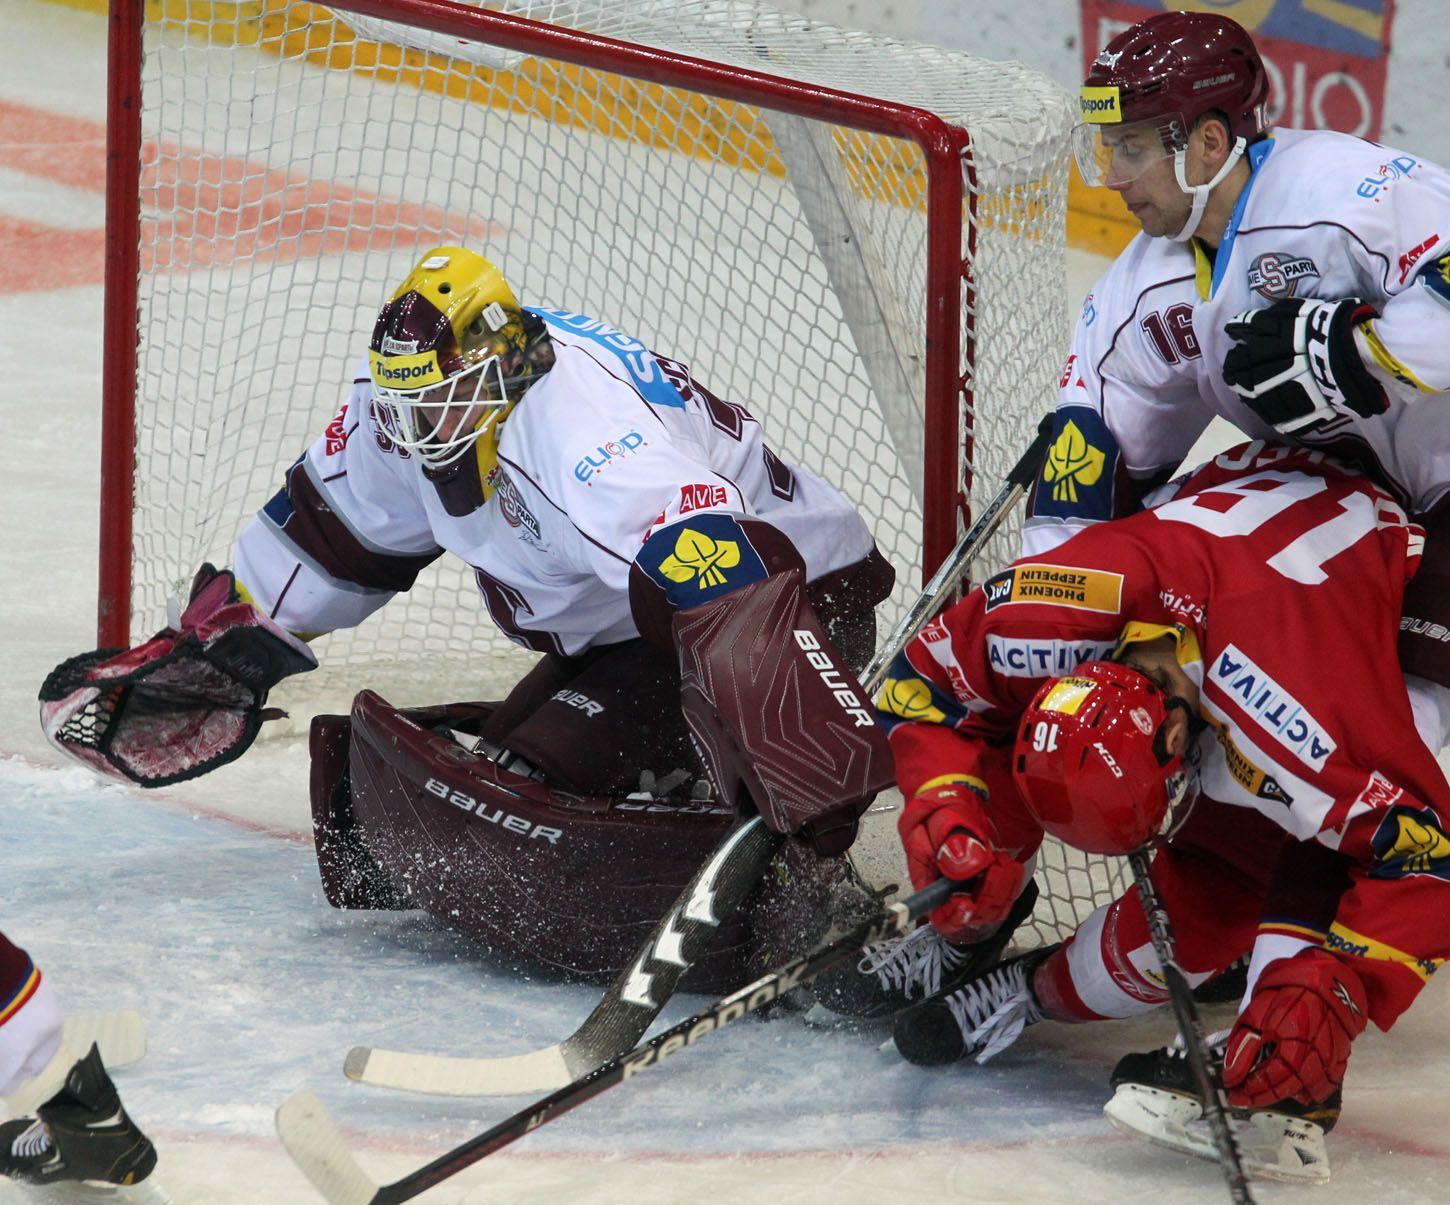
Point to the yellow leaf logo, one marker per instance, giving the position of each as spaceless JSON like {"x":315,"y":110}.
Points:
{"x":699,"y":557}
{"x":1071,"y":462}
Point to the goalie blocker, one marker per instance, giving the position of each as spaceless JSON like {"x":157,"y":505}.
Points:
{"x":411,"y":810}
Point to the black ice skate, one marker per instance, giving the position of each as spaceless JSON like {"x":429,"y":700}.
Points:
{"x":80,"y":1133}
{"x":1155,"y":1097}
{"x":889,"y":976}
{"x":980,"y":1017}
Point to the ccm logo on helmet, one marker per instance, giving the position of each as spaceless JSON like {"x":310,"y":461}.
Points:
{"x":833,"y":678}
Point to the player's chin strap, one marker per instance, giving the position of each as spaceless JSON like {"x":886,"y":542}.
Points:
{"x":1200,"y":192}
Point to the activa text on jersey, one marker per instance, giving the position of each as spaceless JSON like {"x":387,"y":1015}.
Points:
{"x":505,"y":820}
{"x":834,"y":679}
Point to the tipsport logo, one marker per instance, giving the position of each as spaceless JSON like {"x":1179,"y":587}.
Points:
{"x":1100,"y":106}
{"x":608,"y":454}
{"x":910,"y":699}
{"x":405,"y":372}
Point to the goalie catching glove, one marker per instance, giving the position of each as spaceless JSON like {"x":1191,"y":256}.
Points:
{"x":188,"y":700}
{"x":1297,"y":365}
{"x":1292,"y":1042}
{"x":947,"y":833}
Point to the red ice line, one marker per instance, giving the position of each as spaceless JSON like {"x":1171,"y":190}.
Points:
{"x":198,"y":211}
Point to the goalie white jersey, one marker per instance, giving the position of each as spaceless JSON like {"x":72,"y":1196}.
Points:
{"x":612,"y":443}
{"x":1324,"y":215}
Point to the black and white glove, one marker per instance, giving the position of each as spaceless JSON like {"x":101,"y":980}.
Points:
{"x":1296,"y":364}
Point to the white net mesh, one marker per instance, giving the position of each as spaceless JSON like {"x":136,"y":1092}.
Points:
{"x":297,"y":160}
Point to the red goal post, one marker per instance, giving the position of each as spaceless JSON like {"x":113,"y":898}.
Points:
{"x":860,"y":240}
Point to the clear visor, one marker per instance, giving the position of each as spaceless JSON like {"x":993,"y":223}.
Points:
{"x":1113,"y":156}
{"x":439,"y":423}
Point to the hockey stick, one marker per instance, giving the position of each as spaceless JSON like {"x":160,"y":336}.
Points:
{"x":317,"y":1146}
{"x":1201,"y":1062}
{"x":622,"y":1017}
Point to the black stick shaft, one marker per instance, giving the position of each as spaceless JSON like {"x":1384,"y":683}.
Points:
{"x":1200,"y":1059}
{"x":892,"y":920}
{"x":954,"y":568}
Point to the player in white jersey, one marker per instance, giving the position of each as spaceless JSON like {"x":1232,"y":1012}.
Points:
{"x":601,"y":496}
{"x":1293,"y":282}
{"x":72,"y":1125}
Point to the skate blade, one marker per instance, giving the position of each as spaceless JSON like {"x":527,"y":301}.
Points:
{"x":1272,"y":1146}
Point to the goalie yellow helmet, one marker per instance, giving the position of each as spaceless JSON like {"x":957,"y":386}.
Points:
{"x":448,"y":355}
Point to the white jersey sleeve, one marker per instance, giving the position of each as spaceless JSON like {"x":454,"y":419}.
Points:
{"x":1127,"y":411}
{"x":346,"y":531}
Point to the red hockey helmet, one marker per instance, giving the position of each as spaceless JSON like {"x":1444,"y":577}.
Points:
{"x":1089,"y":763}
{"x":1163,"y":74}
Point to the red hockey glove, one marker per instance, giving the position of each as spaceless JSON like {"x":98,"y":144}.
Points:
{"x":188,"y":700}
{"x":1296,"y":364}
{"x":947,"y":833}
{"x":1292,"y":1042}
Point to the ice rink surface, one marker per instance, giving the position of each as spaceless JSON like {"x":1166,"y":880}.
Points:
{"x":200,"y":905}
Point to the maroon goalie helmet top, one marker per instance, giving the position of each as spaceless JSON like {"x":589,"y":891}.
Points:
{"x":1089,"y":764}
{"x":1172,"y":69}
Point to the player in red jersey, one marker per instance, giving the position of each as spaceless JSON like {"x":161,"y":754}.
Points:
{"x":1258,"y":602}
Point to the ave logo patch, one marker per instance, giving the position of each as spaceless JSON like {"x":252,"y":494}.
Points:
{"x":335,"y":435}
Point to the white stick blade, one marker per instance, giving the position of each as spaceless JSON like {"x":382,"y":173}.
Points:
{"x":537,"y":1072}
{"x":318,"y":1148}
{"x":120,"y":1035}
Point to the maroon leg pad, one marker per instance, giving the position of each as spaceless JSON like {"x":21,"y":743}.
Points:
{"x":571,"y":882}
{"x":777,"y":714}
{"x":350,"y":877}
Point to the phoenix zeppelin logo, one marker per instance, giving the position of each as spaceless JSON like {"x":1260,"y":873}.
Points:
{"x":1057,"y":585}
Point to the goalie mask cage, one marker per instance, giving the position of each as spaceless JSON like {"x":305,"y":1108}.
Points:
{"x":858,"y":239}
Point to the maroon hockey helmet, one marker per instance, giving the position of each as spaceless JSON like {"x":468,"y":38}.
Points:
{"x":1170,"y":70}
{"x":1089,"y":763}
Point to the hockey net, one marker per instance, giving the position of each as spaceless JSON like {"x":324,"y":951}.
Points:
{"x":858,"y":239}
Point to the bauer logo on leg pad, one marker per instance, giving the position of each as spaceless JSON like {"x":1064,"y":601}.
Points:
{"x":837,"y":683}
